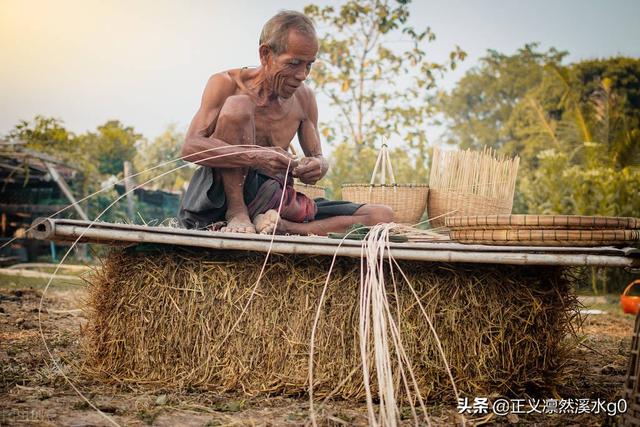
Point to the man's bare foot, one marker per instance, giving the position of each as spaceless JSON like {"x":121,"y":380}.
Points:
{"x":240,"y":223}
{"x":266,"y":222}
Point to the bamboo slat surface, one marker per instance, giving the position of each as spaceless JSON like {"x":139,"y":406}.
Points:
{"x":125,"y":234}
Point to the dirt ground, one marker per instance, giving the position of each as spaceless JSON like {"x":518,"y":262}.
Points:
{"x":33,"y":391}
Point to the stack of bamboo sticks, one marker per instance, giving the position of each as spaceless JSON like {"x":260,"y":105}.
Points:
{"x":470,"y":183}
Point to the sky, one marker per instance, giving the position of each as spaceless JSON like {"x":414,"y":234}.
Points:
{"x":146,"y":62}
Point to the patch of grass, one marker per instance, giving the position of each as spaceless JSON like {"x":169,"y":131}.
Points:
{"x":13,"y":282}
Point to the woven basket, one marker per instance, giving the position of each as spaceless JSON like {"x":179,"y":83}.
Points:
{"x":311,"y":191}
{"x":408,"y":201}
{"x":538,"y":237}
{"x":546,"y":222}
{"x":470,"y":183}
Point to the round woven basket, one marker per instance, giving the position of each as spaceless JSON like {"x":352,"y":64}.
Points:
{"x":542,"y":237}
{"x":408,"y":201}
{"x":547,"y":222}
{"x":443,"y":203}
{"x":311,"y":191}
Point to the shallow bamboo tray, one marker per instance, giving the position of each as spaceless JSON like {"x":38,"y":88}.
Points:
{"x":531,"y":237}
{"x":408,"y":201}
{"x":573,"y":222}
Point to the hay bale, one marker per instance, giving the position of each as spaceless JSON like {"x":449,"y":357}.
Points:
{"x":160,"y":318}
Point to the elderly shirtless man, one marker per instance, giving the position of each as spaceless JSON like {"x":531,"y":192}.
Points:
{"x":241,"y":134}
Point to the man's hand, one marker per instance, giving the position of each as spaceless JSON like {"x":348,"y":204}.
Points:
{"x":310,"y":169}
{"x":272,"y":161}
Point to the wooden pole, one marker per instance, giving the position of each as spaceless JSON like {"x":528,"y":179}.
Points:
{"x":29,"y":265}
{"x":65,"y":189}
{"x":128,"y":187}
{"x":37,"y":275}
{"x":118,"y":234}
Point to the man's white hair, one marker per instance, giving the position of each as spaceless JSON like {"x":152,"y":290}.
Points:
{"x":275,"y":32}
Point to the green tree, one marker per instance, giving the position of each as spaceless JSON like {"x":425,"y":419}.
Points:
{"x":98,"y":156}
{"x":48,"y":135}
{"x":575,"y":127}
{"x":589,"y":101}
{"x":482,"y":103}
{"x":162,"y":149}
{"x":374,"y":70}
{"x":592,"y":163}
{"x":111,"y":146}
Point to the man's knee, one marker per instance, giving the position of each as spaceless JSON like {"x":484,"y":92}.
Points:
{"x":376,"y":214}
{"x":236,"y":110}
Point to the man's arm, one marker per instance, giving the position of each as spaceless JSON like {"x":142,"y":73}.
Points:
{"x":314,"y":166}
{"x":201,"y":148}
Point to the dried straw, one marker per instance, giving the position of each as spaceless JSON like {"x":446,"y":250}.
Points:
{"x":159,"y":318}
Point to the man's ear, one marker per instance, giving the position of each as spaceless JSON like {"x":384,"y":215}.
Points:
{"x":265,"y":54}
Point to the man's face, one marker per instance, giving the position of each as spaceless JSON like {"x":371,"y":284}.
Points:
{"x":289,"y":69}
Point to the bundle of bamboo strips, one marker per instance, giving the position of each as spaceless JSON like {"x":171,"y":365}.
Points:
{"x":470,"y":183}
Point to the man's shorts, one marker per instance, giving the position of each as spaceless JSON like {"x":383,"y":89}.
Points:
{"x":330,"y":208}
{"x":204,"y":202}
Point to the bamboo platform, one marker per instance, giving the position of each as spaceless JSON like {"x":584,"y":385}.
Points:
{"x":125,"y":234}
